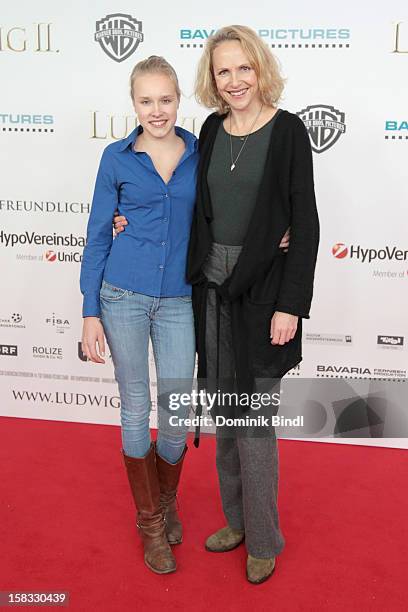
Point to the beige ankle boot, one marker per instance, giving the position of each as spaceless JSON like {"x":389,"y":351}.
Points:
{"x":259,"y":570}
{"x":225,"y":539}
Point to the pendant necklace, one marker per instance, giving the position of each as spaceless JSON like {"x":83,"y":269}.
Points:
{"x":234,"y":162}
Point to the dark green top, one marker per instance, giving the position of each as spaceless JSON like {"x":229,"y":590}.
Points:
{"x":233,"y":194}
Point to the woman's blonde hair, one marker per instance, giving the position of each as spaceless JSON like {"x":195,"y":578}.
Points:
{"x":262,"y":61}
{"x":154,"y":64}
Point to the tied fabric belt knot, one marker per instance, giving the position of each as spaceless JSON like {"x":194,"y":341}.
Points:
{"x":201,"y":344}
{"x":243,"y":377}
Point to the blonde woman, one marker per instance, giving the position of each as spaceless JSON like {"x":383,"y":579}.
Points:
{"x":249,"y":297}
{"x":135,"y":288}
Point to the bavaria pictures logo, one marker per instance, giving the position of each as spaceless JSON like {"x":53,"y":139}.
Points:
{"x":292,"y":37}
{"x":325,"y":125}
{"x":8,"y":350}
{"x":119,"y":35}
{"x":396,"y":130}
{"x":340,"y":251}
{"x":26,"y":123}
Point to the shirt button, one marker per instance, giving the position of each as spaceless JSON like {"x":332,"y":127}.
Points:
{"x":166,"y":195}
{"x":164,"y":219}
{"x":161,"y":267}
{"x":163,"y":243}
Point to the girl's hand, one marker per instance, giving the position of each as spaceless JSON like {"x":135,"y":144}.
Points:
{"x":283,"y":327}
{"x":119,"y":222}
{"x":93,"y":336}
{"x":284,"y":243}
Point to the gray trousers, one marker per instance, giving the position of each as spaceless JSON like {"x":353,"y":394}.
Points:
{"x":247,"y":465}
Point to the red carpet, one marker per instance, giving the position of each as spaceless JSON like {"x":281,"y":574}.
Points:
{"x":67,"y":523}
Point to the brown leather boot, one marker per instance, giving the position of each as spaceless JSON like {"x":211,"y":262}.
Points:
{"x":169,"y":477}
{"x":144,"y":484}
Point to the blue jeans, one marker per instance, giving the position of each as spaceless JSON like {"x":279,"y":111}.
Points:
{"x":129,"y":319}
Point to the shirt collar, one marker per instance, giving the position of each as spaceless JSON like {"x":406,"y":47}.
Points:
{"x":129,"y":140}
{"x":189,"y":139}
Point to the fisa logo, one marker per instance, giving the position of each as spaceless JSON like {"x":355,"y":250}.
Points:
{"x":396,"y":129}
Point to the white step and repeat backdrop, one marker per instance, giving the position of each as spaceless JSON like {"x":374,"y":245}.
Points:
{"x":65,"y":97}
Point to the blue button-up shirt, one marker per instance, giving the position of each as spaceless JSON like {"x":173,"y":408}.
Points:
{"x":150,"y":255}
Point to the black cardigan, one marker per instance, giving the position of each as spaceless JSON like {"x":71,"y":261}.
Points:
{"x":264,"y":279}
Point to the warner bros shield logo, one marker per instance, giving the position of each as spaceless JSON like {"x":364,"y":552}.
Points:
{"x":119,"y":35}
{"x":325,"y":125}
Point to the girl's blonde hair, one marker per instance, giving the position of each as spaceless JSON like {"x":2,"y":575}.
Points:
{"x":154,"y":64}
{"x":266,"y":67}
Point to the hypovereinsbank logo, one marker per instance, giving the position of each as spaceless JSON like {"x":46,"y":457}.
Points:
{"x":11,"y":239}
{"x":366,"y":255}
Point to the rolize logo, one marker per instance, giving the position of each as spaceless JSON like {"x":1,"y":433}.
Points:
{"x":47,"y":352}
